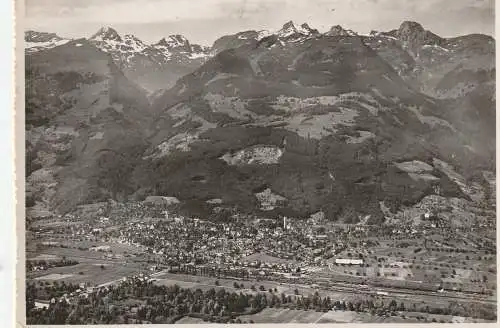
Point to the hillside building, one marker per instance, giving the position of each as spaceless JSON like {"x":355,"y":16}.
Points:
{"x":349,"y":261}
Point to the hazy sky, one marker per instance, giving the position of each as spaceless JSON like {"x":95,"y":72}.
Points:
{"x":203,"y":21}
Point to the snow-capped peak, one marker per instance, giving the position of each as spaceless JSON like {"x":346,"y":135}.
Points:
{"x":290,"y":28}
{"x":123,"y":50}
{"x":33,"y":36}
{"x":262,"y":34}
{"x":134,"y":42}
{"x":177,"y":45}
{"x":338,"y":30}
{"x":174,"y":41}
{"x":36,"y":41}
{"x":307,"y":29}
{"x":106,"y":34}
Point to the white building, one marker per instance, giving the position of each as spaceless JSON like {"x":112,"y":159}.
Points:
{"x":349,"y":261}
{"x":103,"y":248}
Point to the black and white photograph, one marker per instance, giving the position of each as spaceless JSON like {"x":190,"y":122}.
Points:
{"x":258,"y":162}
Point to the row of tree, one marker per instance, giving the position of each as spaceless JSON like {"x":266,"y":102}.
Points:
{"x":44,"y":265}
{"x":141,"y":301}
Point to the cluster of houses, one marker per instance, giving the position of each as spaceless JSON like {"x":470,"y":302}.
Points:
{"x":86,"y":289}
{"x":178,"y":239}
{"x":286,"y":243}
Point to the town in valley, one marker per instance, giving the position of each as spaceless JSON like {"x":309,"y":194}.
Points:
{"x":179,"y":171}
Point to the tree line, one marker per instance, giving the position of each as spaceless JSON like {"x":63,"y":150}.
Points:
{"x":138,"y":301}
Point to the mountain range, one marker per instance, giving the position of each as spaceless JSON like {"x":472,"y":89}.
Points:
{"x":292,"y":122}
{"x":152,"y":66}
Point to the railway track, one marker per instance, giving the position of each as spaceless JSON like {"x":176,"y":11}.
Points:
{"x":391,"y":292}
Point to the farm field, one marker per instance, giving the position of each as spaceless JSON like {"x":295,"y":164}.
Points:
{"x":419,"y":317}
{"x":262,"y":257}
{"x":417,"y":263}
{"x":115,"y":247}
{"x":205,"y":283}
{"x":282,"y":315}
{"x":361,"y":317}
{"x":189,"y":320}
{"x":88,"y":272}
{"x":116,"y":252}
{"x":70,"y":253}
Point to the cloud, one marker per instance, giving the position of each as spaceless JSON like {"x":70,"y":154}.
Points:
{"x":137,"y":11}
